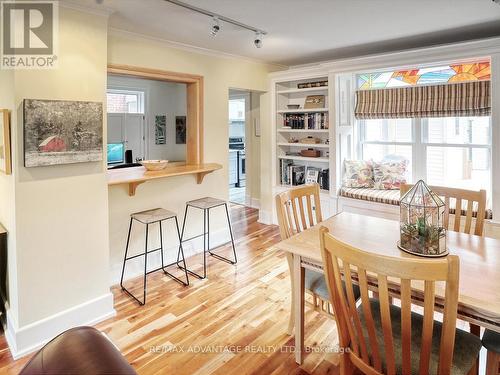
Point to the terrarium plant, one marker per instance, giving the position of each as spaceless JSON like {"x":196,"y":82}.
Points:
{"x":421,"y":222}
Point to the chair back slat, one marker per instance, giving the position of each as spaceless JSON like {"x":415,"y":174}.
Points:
{"x":473,"y":200}
{"x":298,"y":209}
{"x":458,"y":214}
{"x":446,"y":212}
{"x":406,"y":325}
{"x":309,"y":211}
{"x":358,"y":327}
{"x":344,"y":306}
{"x":428,"y":325}
{"x":370,"y":325}
{"x":353,"y":312}
{"x":385,"y":315}
{"x":468,"y":217}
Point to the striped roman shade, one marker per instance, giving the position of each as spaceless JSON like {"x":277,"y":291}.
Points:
{"x":450,"y":100}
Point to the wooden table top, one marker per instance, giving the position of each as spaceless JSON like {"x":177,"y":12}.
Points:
{"x":479,"y":291}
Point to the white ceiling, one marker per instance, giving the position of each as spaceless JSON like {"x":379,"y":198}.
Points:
{"x":305,"y":31}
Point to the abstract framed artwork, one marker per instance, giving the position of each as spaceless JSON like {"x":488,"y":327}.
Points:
{"x":5,"y":149}
{"x":180,"y":130}
{"x":161,"y":129}
{"x":62,"y":132}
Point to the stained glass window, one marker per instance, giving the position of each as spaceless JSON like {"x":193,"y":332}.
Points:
{"x":478,"y":71}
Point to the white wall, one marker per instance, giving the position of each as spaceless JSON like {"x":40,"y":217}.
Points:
{"x":220,"y":74}
{"x":161,"y":98}
{"x":61,"y":212}
{"x":7,"y":190}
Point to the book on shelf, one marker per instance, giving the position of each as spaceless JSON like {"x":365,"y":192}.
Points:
{"x":312,"y":175}
{"x":285,"y":171}
{"x":324,"y":179}
{"x":297,"y":174}
{"x":312,"y":121}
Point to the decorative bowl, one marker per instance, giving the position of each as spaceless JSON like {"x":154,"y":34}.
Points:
{"x":154,"y":165}
{"x":293,"y":106}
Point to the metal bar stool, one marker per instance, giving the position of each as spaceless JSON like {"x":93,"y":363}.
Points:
{"x":206,"y":204}
{"x":157,"y":215}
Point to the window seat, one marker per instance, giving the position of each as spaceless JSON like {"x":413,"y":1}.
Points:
{"x":391,"y":197}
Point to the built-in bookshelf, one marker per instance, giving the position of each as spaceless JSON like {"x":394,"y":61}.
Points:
{"x":302,"y":133}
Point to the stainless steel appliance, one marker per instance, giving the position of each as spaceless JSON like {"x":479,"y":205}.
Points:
{"x":239,"y":145}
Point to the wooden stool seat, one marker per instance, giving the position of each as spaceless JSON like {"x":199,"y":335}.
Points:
{"x":153,"y":216}
{"x":206,"y":203}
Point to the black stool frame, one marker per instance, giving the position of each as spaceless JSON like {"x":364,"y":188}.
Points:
{"x":145,"y":255}
{"x":206,"y":235}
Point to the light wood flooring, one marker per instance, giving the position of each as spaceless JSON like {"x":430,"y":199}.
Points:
{"x":232,"y":323}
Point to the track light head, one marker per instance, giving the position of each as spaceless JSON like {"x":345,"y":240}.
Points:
{"x":215,"y":27}
{"x":258,"y":39}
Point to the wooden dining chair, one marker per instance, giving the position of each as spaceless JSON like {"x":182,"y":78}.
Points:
{"x":379,"y":338}
{"x":473,"y":200}
{"x":298,"y":209}
{"x":491,"y":341}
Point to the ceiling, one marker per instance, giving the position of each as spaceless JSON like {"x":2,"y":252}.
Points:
{"x":306,"y":31}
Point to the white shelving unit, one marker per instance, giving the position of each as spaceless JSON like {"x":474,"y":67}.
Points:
{"x":299,"y":111}
{"x":288,"y":143}
{"x":303,"y":145}
{"x":308,"y":90}
{"x":304,"y":158}
{"x":290,"y":130}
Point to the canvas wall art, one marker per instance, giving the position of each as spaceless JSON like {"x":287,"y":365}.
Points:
{"x":180,"y":130}
{"x":5,"y":150}
{"x":62,"y":132}
{"x":161,"y":129}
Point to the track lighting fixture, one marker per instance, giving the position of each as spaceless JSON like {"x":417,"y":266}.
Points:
{"x":258,"y":39}
{"x":215,"y":26}
{"x":217,"y":20}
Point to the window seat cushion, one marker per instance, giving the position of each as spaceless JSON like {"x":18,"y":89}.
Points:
{"x":372,"y":195}
{"x":392,"y":197}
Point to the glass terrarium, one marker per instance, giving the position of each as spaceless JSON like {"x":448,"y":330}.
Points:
{"x":421,"y":222}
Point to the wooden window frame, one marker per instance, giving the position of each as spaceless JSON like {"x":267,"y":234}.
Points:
{"x":194,"y":97}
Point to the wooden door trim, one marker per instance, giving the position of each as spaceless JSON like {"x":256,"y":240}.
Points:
{"x":194,"y":97}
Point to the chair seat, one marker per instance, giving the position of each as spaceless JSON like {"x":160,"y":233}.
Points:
{"x":491,"y":341}
{"x":80,"y":350}
{"x":153,"y":216}
{"x":205,"y":203}
{"x":467,"y":346}
{"x":316,"y":283}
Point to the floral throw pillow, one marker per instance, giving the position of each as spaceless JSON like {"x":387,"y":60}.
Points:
{"x":390,"y":175}
{"x":358,"y":174}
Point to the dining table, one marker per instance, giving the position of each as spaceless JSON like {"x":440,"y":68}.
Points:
{"x":479,"y":280}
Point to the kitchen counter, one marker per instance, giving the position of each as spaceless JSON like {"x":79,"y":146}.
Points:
{"x":135,"y":176}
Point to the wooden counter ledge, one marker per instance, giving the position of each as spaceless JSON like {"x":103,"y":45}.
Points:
{"x":135,"y":176}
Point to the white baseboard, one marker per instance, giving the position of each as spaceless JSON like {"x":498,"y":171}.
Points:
{"x":255,"y":203}
{"x":27,"y":339}
{"x":190,"y":248}
{"x":265,"y":217}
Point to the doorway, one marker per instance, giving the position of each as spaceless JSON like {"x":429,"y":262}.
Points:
{"x":238,"y":107}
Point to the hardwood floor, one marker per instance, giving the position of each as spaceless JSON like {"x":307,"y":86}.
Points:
{"x":232,"y":323}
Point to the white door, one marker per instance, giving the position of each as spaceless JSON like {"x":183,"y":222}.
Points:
{"x":129,"y":129}
{"x":134,"y":135}
{"x":116,"y":128}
